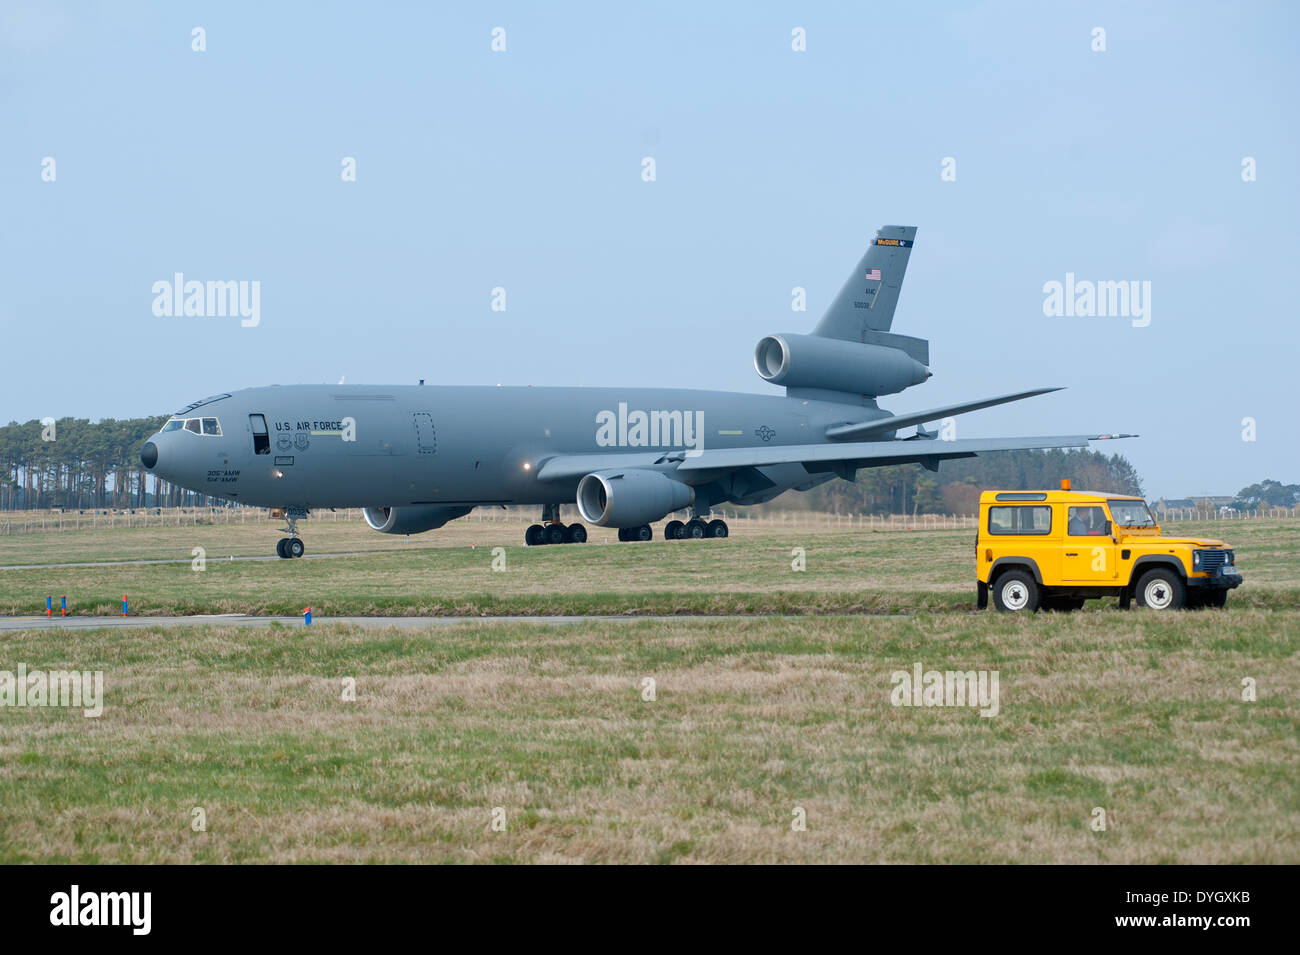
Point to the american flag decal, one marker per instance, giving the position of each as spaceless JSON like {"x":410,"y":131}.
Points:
{"x":873,"y":275}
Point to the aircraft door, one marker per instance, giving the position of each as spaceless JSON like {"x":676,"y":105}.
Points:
{"x":261,"y":438}
{"x":426,"y":437}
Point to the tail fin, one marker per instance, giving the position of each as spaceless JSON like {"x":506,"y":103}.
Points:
{"x":866,"y":302}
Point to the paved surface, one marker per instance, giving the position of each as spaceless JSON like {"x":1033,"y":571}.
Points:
{"x":242,"y":620}
{"x":180,"y":560}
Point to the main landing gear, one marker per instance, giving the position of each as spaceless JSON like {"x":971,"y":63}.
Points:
{"x":551,"y":531}
{"x":694,"y":529}
{"x":291,"y":546}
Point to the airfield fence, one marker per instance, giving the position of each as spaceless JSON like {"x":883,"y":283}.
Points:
{"x":44,"y":521}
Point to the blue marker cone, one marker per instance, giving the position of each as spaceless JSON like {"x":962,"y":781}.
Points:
{"x":49,"y":606}
{"x":123,"y":605}
{"x":306,"y":617}
{"x":63,"y":599}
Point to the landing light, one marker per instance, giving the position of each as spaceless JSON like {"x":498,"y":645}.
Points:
{"x":527,"y":466}
{"x":278,"y":473}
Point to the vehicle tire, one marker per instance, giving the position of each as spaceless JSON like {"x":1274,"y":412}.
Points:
{"x":279,"y":547}
{"x":622,"y":535}
{"x":695,"y":529}
{"x":295,"y":547}
{"x":1161,"y":589}
{"x":718,"y":529}
{"x":553,"y":533}
{"x":575,"y":534}
{"x":673,"y":531}
{"x":1216,"y":599}
{"x":1016,"y":592}
{"x":533,"y":536}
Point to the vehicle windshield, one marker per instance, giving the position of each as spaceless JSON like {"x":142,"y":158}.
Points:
{"x":1131,"y":514}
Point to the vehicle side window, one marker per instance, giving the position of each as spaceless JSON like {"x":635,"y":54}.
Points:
{"x":1020,"y":520}
{"x":192,"y":424}
{"x":1085,"y":521}
{"x":210,"y":426}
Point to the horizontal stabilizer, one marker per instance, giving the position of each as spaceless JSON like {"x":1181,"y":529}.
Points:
{"x":866,"y":429}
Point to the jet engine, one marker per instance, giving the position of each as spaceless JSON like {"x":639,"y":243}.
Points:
{"x":630,"y":498}
{"x":830,"y":364}
{"x":413,"y":520}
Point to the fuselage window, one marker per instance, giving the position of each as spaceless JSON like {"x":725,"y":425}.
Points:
{"x":211,"y":426}
{"x":261,"y":440}
{"x":192,"y":424}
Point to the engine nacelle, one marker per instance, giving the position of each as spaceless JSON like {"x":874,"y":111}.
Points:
{"x":413,"y":520}
{"x":829,"y":364}
{"x":630,"y":498}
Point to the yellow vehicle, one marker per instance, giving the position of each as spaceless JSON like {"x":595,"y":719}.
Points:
{"x":1052,"y":550}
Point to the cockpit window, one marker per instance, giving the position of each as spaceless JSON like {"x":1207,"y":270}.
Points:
{"x":207,"y":426}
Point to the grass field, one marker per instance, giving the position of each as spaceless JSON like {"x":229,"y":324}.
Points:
{"x":450,"y":571}
{"x":1135,"y":713}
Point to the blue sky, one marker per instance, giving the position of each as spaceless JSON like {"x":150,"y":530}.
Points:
{"x":522,"y":169}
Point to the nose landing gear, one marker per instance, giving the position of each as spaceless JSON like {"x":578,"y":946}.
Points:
{"x":291,"y":546}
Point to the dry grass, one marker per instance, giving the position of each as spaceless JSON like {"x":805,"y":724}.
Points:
{"x":1136,"y":713}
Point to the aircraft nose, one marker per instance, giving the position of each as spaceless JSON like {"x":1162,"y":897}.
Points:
{"x":149,"y":455}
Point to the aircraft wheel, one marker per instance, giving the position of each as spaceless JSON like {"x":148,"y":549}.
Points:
{"x":642,"y":533}
{"x":622,"y":534}
{"x":575,"y":534}
{"x":294,"y":547}
{"x":279,"y":547}
{"x":717,"y":528}
{"x":533,"y":536}
{"x":673,"y":530}
{"x":695,"y":529}
{"x":553,"y":534}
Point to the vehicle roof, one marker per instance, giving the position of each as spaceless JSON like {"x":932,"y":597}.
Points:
{"x":1058,"y":496}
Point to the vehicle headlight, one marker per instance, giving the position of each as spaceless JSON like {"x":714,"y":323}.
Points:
{"x":1231,"y":557}
{"x":1196,"y":559}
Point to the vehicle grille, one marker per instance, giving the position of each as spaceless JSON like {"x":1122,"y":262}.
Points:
{"x":1212,"y":560}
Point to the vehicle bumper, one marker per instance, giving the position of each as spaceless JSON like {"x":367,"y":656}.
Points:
{"x":1224,"y":578}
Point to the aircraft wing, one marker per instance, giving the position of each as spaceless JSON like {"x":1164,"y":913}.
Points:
{"x":860,"y":453}
{"x":877,"y":452}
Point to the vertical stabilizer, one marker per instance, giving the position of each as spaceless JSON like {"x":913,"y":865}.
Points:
{"x":866,"y":302}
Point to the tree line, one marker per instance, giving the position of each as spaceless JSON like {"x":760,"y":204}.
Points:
{"x":79,"y":464}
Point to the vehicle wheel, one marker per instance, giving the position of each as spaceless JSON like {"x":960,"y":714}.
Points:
{"x":533,"y":536}
{"x":295,"y":547}
{"x":1161,"y":589}
{"x":718,"y":529}
{"x":622,"y":534}
{"x":279,"y":547}
{"x":673,"y":531}
{"x":1216,"y":599}
{"x":575,"y":534}
{"x":695,"y":529}
{"x":642,"y":533}
{"x":553,"y":533}
{"x":1015,"y":592}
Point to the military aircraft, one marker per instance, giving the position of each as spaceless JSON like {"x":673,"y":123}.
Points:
{"x":415,"y":457}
